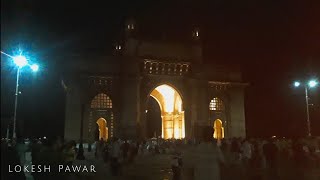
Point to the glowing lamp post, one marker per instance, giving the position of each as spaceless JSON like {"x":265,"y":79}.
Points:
{"x":310,"y":84}
{"x":20,"y":61}
{"x":34,"y":67}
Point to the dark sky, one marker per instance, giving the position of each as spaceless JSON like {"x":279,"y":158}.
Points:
{"x":274,"y":42}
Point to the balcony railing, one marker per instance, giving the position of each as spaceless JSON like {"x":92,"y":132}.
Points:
{"x":165,"y":68}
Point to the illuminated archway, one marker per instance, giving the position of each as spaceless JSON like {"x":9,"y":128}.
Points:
{"x":218,"y":129}
{"x":103,"y":129}
{"x":101,"y":107}
{"x":172,"y":114}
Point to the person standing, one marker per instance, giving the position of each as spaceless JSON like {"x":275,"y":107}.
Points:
{"x":51,"y":155}
{"x":270,"y":152}
{"x":10,"y":156}
{"x":206,"y":159}
{"x":69,"y":153}
{"x":115,"y":157}
{"x":125,"y":149}
{"x":21,"y":148}
{"x":246,"y":151}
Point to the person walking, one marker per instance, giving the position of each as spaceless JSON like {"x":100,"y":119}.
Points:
{"x":246,"y":151}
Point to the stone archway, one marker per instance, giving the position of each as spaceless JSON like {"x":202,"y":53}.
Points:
{"x":172,"y":113}
{"x":101,"y":114}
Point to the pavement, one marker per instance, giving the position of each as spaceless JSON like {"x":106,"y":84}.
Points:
{"x":157,"y":167}
{"x":145,"y":167}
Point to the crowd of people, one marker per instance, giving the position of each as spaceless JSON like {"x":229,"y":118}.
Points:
{"x":206,"y":158}
{"x":45,"y":152}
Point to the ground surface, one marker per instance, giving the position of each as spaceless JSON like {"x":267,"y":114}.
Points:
{"x":157,"y":167}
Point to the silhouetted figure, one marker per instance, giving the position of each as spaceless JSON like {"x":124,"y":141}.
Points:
{"x":125,"y":149}
{"x":69,"y":153}
{"x":89,"y":147}
{"x":96,"y":133}
{"x":270,"y":151}
{"x":256,"y":162}
{"x":35,"y":150}
{"x":9,"y":156}
{"x":105,"y":153}
{"x":300,"y":159}
{"x":205,"y":159}
{"x":51,"y":155}
{"x":235,"y":152}
{"x":115,"y":155}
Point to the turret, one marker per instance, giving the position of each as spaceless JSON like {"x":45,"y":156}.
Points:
{"x":196,"y":46}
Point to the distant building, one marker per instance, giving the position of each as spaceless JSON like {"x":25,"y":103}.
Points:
{"x":115,"y":89}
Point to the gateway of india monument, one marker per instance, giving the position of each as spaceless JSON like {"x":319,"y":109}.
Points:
{"x":107,"y":95}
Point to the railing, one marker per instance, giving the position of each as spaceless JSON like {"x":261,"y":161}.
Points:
{"x":165,"y":68}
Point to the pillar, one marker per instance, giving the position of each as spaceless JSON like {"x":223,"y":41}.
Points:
{"x":130,"y":108}
{"x":237,"y":124}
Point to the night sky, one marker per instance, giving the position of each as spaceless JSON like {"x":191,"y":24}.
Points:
{"x":274,"y":42}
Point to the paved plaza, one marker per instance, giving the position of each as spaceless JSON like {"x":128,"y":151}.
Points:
{"x":157,"y":167}
{"x":145,"y":167}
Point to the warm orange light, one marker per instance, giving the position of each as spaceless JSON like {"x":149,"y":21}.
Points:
{"x":218,"y":129}
{"x":103,"y":129}
{"x":168,"y":95}
{"x":171,"y":109}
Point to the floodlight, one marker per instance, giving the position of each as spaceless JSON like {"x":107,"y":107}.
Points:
{"x":20,"y":61}
{"x":312,"y":83}
{"x":34,"y":67}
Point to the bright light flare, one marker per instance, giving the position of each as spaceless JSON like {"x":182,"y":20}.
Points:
{"x":171,"y":109}
{"x":312,"y":83}
{"x":20,"y":61}
{"x":34,"y":67}
{"x":168,"y":93}
{"x":296,"y":84}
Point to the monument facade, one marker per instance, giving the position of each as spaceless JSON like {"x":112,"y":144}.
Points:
{"x":107,"y":95}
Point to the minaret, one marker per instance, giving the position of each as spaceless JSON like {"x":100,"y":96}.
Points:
{"x":130,"y":44}
{"x":117,"y":48}
{"x":196,"y":34}
{"x":130,"y":28}
{"x":196,"y":46}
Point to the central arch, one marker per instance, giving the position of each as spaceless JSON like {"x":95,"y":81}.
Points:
{"x":172,"y":114}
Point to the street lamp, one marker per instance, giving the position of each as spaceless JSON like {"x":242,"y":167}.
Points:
{"x":34,"y":67}
{"x":20,"y":61}
{"x":310,"y":84}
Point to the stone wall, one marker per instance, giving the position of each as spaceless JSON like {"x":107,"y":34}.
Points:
{"x":73,"y":112}
{"x":237,"y":114}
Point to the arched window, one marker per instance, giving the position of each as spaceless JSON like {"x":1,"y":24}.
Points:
{"x":101,"y":101}
{"x":216,"y":104}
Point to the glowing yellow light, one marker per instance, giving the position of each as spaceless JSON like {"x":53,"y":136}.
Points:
{"x":178,"y":104}
{"x":103,"y":129}
{"x":218,"y":129}
{"x":183,"y":125}
{"x":168,"y":95}
{"x":170,"y":104}
{"x":177,"y":128}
